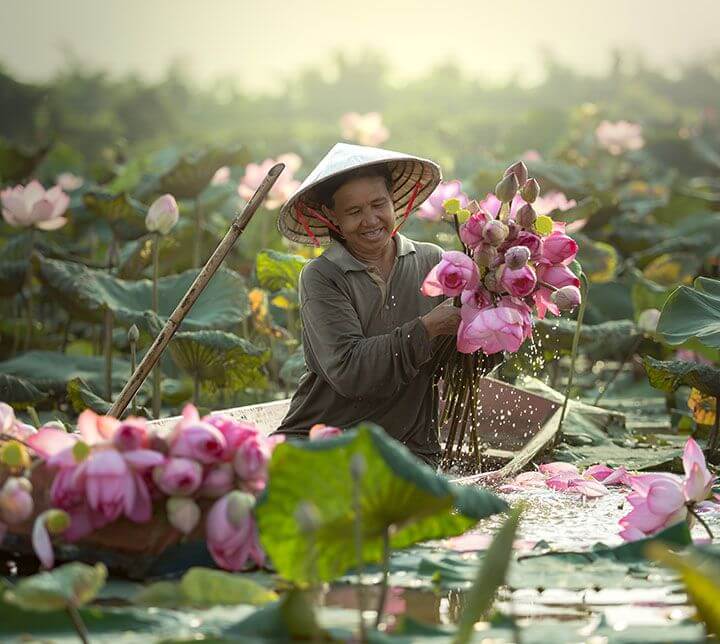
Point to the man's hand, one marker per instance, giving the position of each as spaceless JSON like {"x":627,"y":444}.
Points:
{"x":444,"y":319}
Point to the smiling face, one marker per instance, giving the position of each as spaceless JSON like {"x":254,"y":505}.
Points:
{"x":363,"y":210}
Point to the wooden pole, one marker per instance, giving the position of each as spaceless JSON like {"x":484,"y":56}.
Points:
{"x":196,"y":288}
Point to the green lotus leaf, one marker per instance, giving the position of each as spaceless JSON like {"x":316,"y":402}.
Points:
{"x":12,"y":277}
{"x":668,"y":375}
{"x":82,"y":396}
{"x":398,"y":493}
{"x":192,"y":174}
{"x":87,"y":293}
{"x":74,"y":584}
{"x":204,"y":588}
{"x":16,"y":163}
{"x":692,"y":313}
{"x":673,"y":269}
{"x":584,"y":209}
{"x":600,"y":341}
{"x":276,"y":270}
{"x":293,"y":368}
{"x":124,"y":215}
{"x":219,"y":358}
{"x":647,"y":294}
{"x":51,"y":371}
{"x":19,"y":392}
{"x":136,"y":256}
{"x":599,"y":260}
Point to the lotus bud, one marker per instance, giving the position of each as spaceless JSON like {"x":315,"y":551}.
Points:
{"x":520,"y":171}
{"x":182,"y":513}
{"x":495,"y":232}
{"x":239,"y":505}
{"x":57,"y":521}
{"x":307,"y":517}
{"x":492,"y":282}
{"x":218,"y":481}
{"x":485,"y":255}
{"x":567,"y":297}
{"x":506,"y":189}
{"x":516,"y":257}
{"x":648,"y":320}
{"x":357,"y":466}
{"x":530,"y":190}
{"x":513,"y":230}
{"x":526,"y":216}
{"x":133,"y":334}
{"x":162,"y":215}
{"x":16,"y":502}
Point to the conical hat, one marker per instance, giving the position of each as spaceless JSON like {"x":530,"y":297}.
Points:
{"x":406,"y":171}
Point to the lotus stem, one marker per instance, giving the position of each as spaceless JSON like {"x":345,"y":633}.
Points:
{"x":28,"y":286}
{"x":197,"y":248}
{"x":78,"y":623}
{"x":701,"y":521}
{"x":196,"y":388}
{"x":133,"y":366}
{"x":386,"y":569}
{"x":108,"y":328}
{"x":574,"y":351}
{"x":715,"y":434}
{"x":32,"y":412}
{"x":357,"y":467}
{"x":157,"y":372}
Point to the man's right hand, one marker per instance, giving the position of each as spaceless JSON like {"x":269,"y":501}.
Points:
{"x":444,"y":319}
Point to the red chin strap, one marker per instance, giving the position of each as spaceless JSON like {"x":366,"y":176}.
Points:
{"x":316,"y":215}
{"x":408,"y":208}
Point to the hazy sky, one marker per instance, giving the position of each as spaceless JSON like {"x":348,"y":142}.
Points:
{"x":263,"y":42}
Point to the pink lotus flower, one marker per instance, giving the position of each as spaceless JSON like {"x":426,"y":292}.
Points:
{"x":49,"y":522}
{"x":16,"y":501}
{"x":531,"y":241}
{"x":162,"y":215}
{"x":178,"y":476}
{"x":196,"y":439}
{"x":559,"y":468}
{"x":551,"y":201}
{"x":221,"y":176}
{"x":365,"y":129}
{"x":698,"y":482}
{"x":520,"y":282}
{"x":109,"y":484}
{"x":608,"y":475}
{"x":455,"y":273}
{"x":49,"y":441}
{"x":618,"y":137}
{"x":130,"y":434}
{"x":544,"y":302}
{"x":523,"y":309}
{"x":234,"y":432}
{"x":558,"y":248}
{"x":96,"y":429}
{"x":233,"y":541}
{"x":472,"y":231}
{"x":321,"y":432}
{"x":492,"y":330}
{"x":491,"y":204}
{"x":524,"y":481}
{"x":32,"y":205}
{"x":476,"y":299}
{"x":7,"y":417}
{"x":251,"y":459}
{"x":219,"y":480}
{"x":658,"y":502}
{"x":576,"y":484}
{"x":281,"y":191}
{"x":557,"y":275}
{"x":69,"y":181}
{"x":432,"y":208}
{"x":291,"y":160}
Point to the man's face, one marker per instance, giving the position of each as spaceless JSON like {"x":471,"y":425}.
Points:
{"x":364,"y":213}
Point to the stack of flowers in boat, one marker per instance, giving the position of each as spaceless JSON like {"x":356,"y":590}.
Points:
{"x":204,"y":475}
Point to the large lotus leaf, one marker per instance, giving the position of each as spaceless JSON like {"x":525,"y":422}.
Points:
{"x":673,"y":269}
{"x":136,"y":256}
{"x":293,"y":368}
{"x":278,"y":270}
{"x":562,"y":176}
{"x":600,"y":341}
{"x":18,"y":391}
{"x":668,"y":375}
{"x":220,"y":358}
{"x":397,"y":492}
{"x":599,"y":260}
{"x":16,"y":164}
{"x":82,"y":397}
{"x":191,"y":174}
{"x":87,"y":293}
{"x":124,"y":215}
{"x":52,"y":371}
{"x":646,"y":294}
{"x":608,"y":301}
{"x":692,"y":313}
{"x":73,"y":584}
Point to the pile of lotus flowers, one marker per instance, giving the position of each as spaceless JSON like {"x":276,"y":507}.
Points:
{"x":514,"y":263}
{"x":658,"y":499}
{"x":112,"y":469}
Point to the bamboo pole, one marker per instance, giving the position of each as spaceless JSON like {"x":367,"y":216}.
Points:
{"x":196,"y":288}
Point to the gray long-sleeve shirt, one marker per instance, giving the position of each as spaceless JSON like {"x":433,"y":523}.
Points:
{"x":368,"y":355}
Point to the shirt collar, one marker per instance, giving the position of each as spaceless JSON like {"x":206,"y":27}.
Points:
{"x":344,"y":259}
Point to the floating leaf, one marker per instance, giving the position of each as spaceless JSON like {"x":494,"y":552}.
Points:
{"x":671,"y":374}
{"x":398,"y":492}
{"x":19,"y":392}
{"x":87,"y":293}
{"x":692,"y":313}
{"x":220,"y":358}
{"x":124,"y":215}
{"x":278,"y":270}
{"x":73,"y":584}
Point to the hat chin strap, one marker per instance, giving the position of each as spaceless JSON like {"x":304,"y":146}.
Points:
{"x":316,"y":215}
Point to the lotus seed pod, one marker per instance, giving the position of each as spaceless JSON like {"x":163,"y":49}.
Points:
{"x":520,"y":171}
{"x":526,"y":216}
{"x":530,"y":190}
{"x":567,"y":297}
{"x":57,"y":521}
{"x":133,"y":334}
{"x":516,"y":257}
{"x":507,"y":188}
{"x":495,"y":232}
